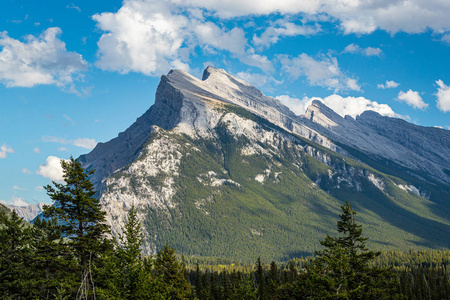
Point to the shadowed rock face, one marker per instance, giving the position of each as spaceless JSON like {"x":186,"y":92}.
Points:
{"x":202,"y":139}
{"x":425,"y":149}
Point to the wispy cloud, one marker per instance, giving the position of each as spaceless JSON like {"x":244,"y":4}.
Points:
{"x":4,"y":150}
{"x":79,"y":142}
{"x":281,"y":28}
{"x":26,"y":171}
{"x":356,"y":49}
{"x":73,"y":6}
{"x":323,"y":71}
{"x":390,"y":84}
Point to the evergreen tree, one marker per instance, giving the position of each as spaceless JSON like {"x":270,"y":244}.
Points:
{"x":274,"y":280}
{"x":130,"y":269}
{"x":170,"y":275}
{"x":246,"y":290}
{"x":227,"y":291}
{"x":342,"y":271}
{"x":53,"y":264}
{"x":15,"y":256}
{"x":215,"y":286}
{"x":80,"y":219}
{"x":260,"y":280}
{"x":198,"y":283}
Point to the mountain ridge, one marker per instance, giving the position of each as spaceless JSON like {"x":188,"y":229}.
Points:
{"x":216,"y":163}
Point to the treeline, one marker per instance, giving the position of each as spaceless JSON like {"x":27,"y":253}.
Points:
{"x":70,"y":254}
{"x":423,"y":279}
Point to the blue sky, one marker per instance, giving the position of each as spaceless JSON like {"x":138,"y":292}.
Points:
{"x":74,"y":73}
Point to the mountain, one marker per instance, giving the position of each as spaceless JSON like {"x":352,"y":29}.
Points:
{"x":29,"y":212}
{"x":217,"y":168}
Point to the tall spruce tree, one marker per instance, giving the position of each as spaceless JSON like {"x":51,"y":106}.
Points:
{"x":342,"y":269}
{"x":260,"y":280}
{"x":15,"y":256}
{"x":80,"y":219}
{"x":129,"y":253}
{"x":170,"y":275}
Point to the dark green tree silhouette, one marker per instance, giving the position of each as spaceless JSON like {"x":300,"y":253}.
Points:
{"x":342,"y":269}
{"x":130,"y":265}
{"x":15,"y":256}
{"x":80,"y":219}
{"x":170,"y":277}
{"x":260,"y":280}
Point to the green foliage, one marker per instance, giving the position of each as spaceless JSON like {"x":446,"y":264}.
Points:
{"x":342,"y":270}
{"x":15,"y":255}
{"x":81,"y":220}
{"x":169,"y":274}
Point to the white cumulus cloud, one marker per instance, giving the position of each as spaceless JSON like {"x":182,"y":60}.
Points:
{"x":51,"y":169}
{"x":390,"y":84}
{"x":38,"y":60}
{"x":79,"y":142}
{"x":354,"y":16}
{"x":4,"y":150}
{"x":323,"y":72}
{"x":142,"y":36}
{"x":352,"y":106}
{"x":412,"y":98}
{"x":151,"y":37}
{"x":443,"y":96}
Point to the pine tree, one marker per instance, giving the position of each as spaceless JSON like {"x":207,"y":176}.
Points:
{"x":198,"y":282}
{"x":274,"y":280}
{"x":246,"y":289}
{"x":131,"y":270}
{"x":342,"y":270}
{"x":53,"y":264}
{"x":170,"y":275}
{"x":260,"y":279}
{"x":15,"y":256}
{"x":80,"y":219}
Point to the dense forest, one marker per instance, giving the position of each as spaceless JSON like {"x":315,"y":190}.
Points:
{"x":70,"y":254}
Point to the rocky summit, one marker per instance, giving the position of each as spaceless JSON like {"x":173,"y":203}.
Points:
{"x":216,"y":168}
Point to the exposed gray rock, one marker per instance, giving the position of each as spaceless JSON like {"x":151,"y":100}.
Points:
{"x":29,"y":212}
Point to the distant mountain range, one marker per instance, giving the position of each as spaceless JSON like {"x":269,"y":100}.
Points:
{"x":217,"y":168}
{"x":28,"y":212}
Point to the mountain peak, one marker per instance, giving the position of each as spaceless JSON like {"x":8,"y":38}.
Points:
{"x":319,"y":113}
{"x":211,"y":70}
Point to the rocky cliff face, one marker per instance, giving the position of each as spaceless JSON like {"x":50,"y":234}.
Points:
{"x":216,"y":167}
{"x":28,"y":213}
{"x":414,"y":147}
